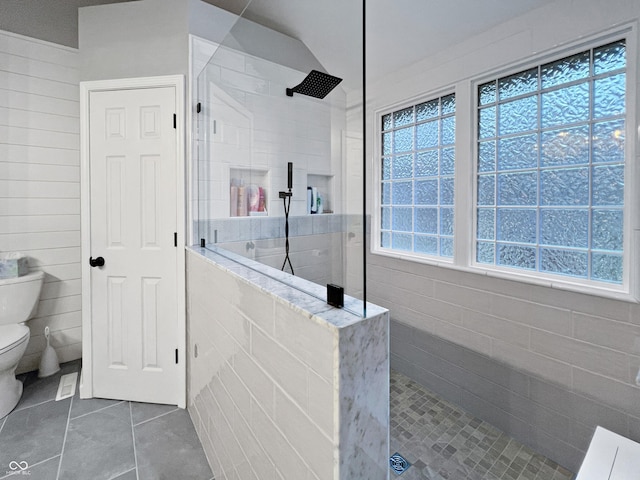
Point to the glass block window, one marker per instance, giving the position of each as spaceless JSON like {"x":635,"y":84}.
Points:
{"x":551,"y":167}
{"x":418,"y":160}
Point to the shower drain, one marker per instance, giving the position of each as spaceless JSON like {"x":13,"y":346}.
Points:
{"x":398,"y":464}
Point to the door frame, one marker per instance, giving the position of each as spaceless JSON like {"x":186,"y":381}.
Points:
{"x":176,"y":81}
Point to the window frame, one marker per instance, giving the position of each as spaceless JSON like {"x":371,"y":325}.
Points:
{"x":376,"y":246}
{"x":466,"y":171}
{"x":414,"y":178}
{"x":537,"y":94}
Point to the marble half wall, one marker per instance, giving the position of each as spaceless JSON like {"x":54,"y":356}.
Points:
{"x":281,"y":385}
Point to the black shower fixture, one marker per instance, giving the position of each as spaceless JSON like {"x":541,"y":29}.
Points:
{"x":317,"y":84}
{"x":286,"y":198}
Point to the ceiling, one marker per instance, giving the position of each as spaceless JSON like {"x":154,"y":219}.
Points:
{"x":399,"y":32}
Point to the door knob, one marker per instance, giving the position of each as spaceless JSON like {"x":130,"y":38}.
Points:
{"x":96,"y":262}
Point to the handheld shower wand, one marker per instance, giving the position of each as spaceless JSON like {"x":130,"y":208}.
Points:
{"x":286,"y":197}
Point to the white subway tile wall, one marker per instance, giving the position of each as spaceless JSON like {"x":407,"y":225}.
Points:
{"x":40,"y":183}
{"x":563,"y":347}
{"x":276,"y":392}
{"x":259,"y":127}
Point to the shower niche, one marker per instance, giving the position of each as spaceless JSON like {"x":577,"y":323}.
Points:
{"x":249,"y":192}
{"x":323,"y":185}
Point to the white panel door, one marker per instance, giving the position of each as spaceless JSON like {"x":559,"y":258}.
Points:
{"x":132,"y":150}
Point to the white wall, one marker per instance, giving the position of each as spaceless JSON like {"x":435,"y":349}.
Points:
{"x":584,"y":343}
{"x":40,"y":182}
{"x":55,"y":22}
{"x":133,"y":39}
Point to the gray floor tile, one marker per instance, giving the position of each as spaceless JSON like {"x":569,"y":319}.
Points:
{"x":99,"y":442}
{"x":81,"y":407}
{"x":34,"y":434}
{"x":168,"y":448}
{"x":38,"y":390}
{"x":130,"y":475}
{"x":142,"y":412}
{"x":442,"y":441}
{"x":99,"y":445}
{"x":35,"y":393}
{"x":47,"y":470}
{"x":410,"y":474}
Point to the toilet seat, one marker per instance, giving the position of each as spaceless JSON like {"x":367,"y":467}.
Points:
{"x":11,"y":336}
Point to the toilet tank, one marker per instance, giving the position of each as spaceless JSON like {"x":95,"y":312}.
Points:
{"x":19,"y":297}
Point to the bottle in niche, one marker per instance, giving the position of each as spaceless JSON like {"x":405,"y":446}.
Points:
{"x":257,"y":201}
{"x":242,"y":199}
{"x":253,"y":198}
{"x":314,"y":200}
{"x":233,"y":198}
{"x":262,"y":207}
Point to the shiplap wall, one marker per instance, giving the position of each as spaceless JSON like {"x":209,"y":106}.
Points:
{"x":40,"y":182}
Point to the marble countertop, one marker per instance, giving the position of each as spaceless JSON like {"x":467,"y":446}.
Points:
{"x":302,"y":294}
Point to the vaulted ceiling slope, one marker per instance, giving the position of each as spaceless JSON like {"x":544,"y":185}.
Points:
{"x":399,"y":32}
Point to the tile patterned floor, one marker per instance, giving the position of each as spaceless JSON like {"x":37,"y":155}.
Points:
{"x":443,"y":442}
{"x":96,"y":439}
{"x":99,"y":439}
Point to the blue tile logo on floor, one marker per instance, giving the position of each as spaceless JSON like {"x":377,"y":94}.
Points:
{"x":18,"y":468}
{"x":398,"y":464}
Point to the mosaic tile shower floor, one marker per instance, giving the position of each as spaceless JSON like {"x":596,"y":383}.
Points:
{"x":443,"y":442}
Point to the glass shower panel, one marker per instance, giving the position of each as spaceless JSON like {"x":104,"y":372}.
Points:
{"x":262,"y":153}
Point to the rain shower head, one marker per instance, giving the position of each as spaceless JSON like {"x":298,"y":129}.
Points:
{"x":317,"y":84}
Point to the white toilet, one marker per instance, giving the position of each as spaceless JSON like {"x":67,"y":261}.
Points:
{"x":18,"y":299}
